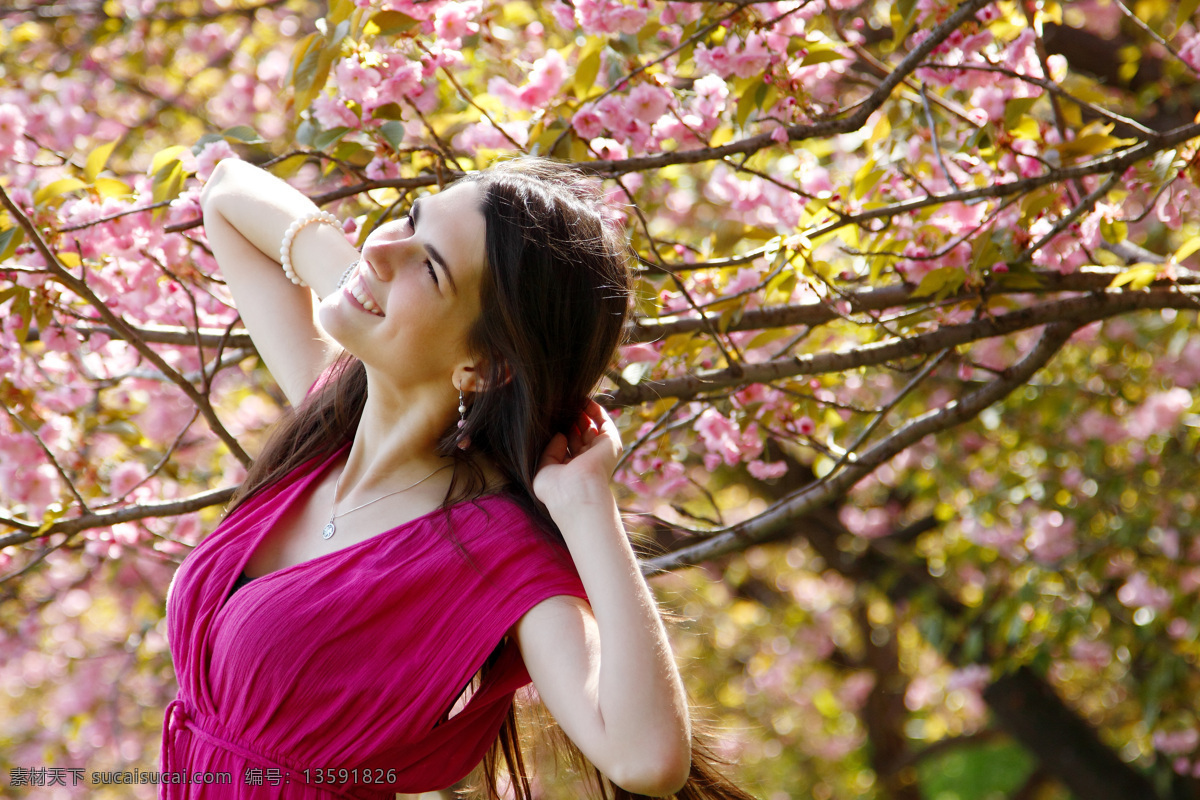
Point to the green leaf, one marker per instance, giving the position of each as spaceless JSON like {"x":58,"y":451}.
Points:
{"x":312,"y":58}
{"x":941,"y":282}
{"x":393,"y":133}
{"x":1015,"y":109}
{"x":56,"y":189}
{"x":326,"y":139}
{"x":746,"y":105}
{"x":166,"y":156}
{"x":1189,"y":247}
{"x":1137,"y":277}
{"x":167,"y":183}
{"x":821,"y":55}
{"x":388,"y":111}
{"x":866,"y":178}
{"x":243,"y":133}
{"x":289,"y":166}
{"x":206,"y":140}
{"x":20,"y":306}
{"x":9,"y":240}
{"x":1187,"y":9}
{"x":96,"y":160}
{"x":588,"y":66}
{"x":390,"y":23}
{"x":111,"y":187}
{"x":904,"y":13}
{"x":1017,"y":280}
{"x":306,"y":132}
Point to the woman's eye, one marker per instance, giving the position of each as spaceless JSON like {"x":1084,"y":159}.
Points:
{"x":432,"y":273}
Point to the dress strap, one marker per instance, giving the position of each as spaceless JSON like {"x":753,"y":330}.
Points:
{"x":179,"y":717}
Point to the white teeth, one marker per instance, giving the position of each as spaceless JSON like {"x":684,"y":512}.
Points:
{"x":359,"y":292}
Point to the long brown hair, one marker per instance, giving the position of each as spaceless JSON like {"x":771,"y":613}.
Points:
{"x":555,"y":297}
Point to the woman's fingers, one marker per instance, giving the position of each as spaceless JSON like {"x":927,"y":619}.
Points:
{"x":555,"y":452}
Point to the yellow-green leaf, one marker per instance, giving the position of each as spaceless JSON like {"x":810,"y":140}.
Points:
{"x":821,"y":55}
{"x":588,"y":66}
{"x":57,"y":188}
{"x":167,"y":182}
{"x":9,"y":240}
{"x":1187,"y":8}
{"x":1016,"y":109}
{"x":289,"y":166}
{"x":111,"y":187}
{"x":1139,"y":276}
{"x":97,"y":159}
{"x":388,"y":23}
{"x":1189,"y":247}
{"x":940,"y":282}
{"x":164,"y":157}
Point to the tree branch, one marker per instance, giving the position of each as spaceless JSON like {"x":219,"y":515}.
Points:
{"x":79,"y":287}
{"x":782,"y":514}
{"x":1078,"y":310}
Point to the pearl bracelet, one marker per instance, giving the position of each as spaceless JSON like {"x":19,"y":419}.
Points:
{"x":285,"y":247}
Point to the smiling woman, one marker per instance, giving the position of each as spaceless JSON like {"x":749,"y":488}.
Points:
{"x":436,"y":507}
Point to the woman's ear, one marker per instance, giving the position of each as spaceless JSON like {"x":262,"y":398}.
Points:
{"x":466,"y":378}
{"x":471,"y":377}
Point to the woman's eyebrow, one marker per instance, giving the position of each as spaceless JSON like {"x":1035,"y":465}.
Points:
{"x":434,"y":255}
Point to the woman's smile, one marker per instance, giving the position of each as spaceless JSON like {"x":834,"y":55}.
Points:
{"x":358,"y":290}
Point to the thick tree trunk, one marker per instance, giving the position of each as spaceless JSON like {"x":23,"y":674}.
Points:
{"x":1028,"y":709}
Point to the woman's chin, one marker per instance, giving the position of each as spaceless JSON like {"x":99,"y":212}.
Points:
{"x":335,"y":319}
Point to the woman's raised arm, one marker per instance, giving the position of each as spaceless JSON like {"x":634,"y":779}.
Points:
{"x":247,"y":211}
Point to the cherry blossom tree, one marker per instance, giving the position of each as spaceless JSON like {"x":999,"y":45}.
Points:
{"x":908,"y":399}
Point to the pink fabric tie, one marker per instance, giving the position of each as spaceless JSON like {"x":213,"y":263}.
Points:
{"x":179,"y":714}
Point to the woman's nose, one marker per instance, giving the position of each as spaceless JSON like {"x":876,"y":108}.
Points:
{"x":387,"y":245}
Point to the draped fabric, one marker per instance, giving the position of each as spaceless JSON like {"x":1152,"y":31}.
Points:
{"x":333,"y":677}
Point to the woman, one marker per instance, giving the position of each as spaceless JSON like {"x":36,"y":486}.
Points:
{"x":404,"y":526}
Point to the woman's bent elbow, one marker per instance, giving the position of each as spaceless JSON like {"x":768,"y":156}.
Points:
{"x":661,"y":776}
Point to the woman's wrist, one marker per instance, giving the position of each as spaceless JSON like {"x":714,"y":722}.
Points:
{"x":584,"y":497}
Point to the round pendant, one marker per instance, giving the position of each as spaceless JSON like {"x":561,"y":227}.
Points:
{"x":328,"y":530}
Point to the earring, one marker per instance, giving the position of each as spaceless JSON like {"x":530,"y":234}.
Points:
{"x":463,"y":441}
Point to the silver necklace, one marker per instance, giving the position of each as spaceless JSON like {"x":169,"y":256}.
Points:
{"x":330,"y":529}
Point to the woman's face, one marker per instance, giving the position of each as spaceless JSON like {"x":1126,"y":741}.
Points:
{"x":407,"y":309}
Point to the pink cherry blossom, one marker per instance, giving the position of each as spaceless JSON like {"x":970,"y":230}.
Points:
{"x":1176,"y":742}
{"x":1092,"y":654}
{"x":353,"y":79}
{"x":1190,"y":52}
{"x":1160,"y":413}
{"x":1139,"y":592}
{"x":381,"y":169}
{"x":717,"y":60}
{"x":753,"y":58}
{"x":628,"y":19}
{"x":456,"y":20}
{"x":765,"y":471}
{"x":587,"y":122}
{"x":609,"y":149}
{"x":331,"y":113}
{"x":871,"y":523}
{"x":647,"y":103}
{"x":12,"y":127}
{"x":1051,"y":537}
{"x":212,"y":154}
{"x":564,"y":15}
{"x":125,"y":477}
{"x":402,"y":82}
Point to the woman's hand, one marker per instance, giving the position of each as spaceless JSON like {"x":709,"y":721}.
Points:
{"x":577,"y":467}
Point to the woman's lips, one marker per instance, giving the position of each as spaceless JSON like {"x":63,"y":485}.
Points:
{"x":357,"y":288}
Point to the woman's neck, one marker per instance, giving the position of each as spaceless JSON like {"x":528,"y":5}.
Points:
{"x":396,"y":440}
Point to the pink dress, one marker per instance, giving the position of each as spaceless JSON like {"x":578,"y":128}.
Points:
{"x":332,"y":678}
